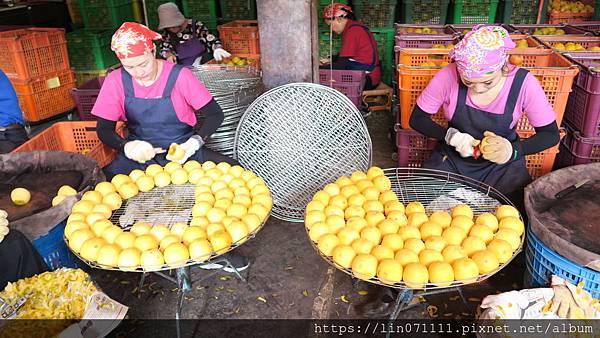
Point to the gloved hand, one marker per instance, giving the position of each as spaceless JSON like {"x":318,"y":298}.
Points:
{"x":3,"y":225}
{"x":462,"y":142}
{"x":563,"y":303}
{"x":140,"y":151}
{"x":220,"y":54}
{"x":495,"y":148}
{"x":587,"y":307}
{"x":190,"y":147}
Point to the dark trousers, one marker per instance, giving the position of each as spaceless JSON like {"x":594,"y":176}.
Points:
{"x":19,"y":259}
{"x":11,"y":139}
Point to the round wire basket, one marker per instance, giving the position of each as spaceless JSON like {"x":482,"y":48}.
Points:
{"x":438,"y":191}
{"x":234,"y":88}
{"x":162,"y":205}
{"x":297,"y":137}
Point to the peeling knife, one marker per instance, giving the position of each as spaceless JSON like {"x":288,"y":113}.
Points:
{"x":570,"y":189}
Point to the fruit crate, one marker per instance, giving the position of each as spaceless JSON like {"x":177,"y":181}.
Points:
{"x":583,"y":109}
{"x":424,"y":11}
{"x":54,"y":250}
{"x":46,"y":96}
{"x":32,"y":52}
{"x":387,"y":68}
{"x":375,"y":13}
{"x":424,"y":42}
{"x":152,"y":11}
{"x":561,"y":18}
{"x":421,"y":50}
{"x":76,"y":137}
{"x":322,"y":5}
{"x":84,"y":76}
{"x":85,"y":97}
{"x":531,"y":42}
{"x":89,"y":49}
{"x":201,"y":10}
{"x":238,"y":9}
{"x":74,"y":13}
{"x":548,"y":30}
{"x":576,"y":149}
{"x":464,"y":28}
{"x":240,"y":37}
{"x":554,"y":72}
{"x":591,"y":26}
{"x":254,"y":60}
{"x":474,"y":11}
{"x":523,"y":11}
{"x":100,"y":15}
{"x":385,"y":42}
{"x":590,"y":43}
{"x":348,"y":82}
{"x":414,"y":148}
{"x":422,"y":29}
{"x":542,"y":262}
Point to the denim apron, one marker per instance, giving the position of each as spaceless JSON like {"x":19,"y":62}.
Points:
{"x":190,"y":50}
{"x":508,"y":177}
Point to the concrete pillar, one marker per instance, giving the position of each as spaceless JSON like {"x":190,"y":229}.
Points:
{"x":288,"y":31}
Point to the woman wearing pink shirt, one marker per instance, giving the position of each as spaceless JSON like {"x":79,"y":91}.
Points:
{"x":482,"y":95}
{"x":158,"y":100}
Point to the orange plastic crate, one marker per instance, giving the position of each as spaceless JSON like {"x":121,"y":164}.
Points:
{"x":240,"y":37}
{"x":531,"y":42}
{"x":46,"y":96}
{"x":558,"y":18}
{"x":76,"y":137}
{"x":32,"y":52}
{"x":585,"y":41}
{"x":411,"y":82}
{"x":541,"y":163}
{"x":254,"y":57}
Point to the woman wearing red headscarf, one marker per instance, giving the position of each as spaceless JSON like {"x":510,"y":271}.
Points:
{"x":159,"y":101}
{"x":359,"y":48}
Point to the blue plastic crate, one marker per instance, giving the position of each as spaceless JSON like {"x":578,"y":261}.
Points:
{"x":54,"y":250}
{"x":543,"y":262}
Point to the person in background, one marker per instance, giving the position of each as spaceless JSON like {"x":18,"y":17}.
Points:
{"x":12,"y":131}
{"x":186,"y":41}
{"x":359,"y":48}
{"x":159,"y":101}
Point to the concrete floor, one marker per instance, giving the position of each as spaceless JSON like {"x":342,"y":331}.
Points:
{"x":289,"y":280}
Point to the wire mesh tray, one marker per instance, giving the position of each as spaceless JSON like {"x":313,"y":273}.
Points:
{"x":178,"y":201}
{"x":438,"y":191}
{"x":298,"y":136}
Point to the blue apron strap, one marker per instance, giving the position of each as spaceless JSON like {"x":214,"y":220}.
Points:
{"x":127,"y":83}
{"x":515,"y":89}
{"x":172,"y":80}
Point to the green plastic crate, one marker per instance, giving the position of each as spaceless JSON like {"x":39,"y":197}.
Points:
{"x":425,"y":11}
{"x":109,"y":3}
{"x":375,"y":13}
{"x":201,"y":10}
{"x":106,"y":17}
{"x":474,"y":11}
{"x":238,"y":9}
{"x":90,"y":50}
{"x":324,"y":40}
{"x":388,"y":71}
{"x":152,"y":11}
{"x":522,"y":11}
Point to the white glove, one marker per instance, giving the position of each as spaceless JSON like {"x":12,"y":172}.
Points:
{"x":140,"y":151}
{"x":462,"y":142}
{"x":197,"y":62}
{"x":220,"y":54}
{"x":190,"y":147}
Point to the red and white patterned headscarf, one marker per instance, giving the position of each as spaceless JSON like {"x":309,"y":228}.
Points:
{"x":133,"y":39}
{"x":335,"y":10}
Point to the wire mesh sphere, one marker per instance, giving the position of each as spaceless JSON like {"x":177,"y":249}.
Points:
{"x":298,"y":137}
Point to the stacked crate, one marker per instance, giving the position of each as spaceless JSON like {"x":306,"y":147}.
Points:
{"x":420,"y":57}
{"x":237,"y":10}
{"x":201,"y":10}
{"x":105,"y":14}
{"x":241,"y":39}
{"x":37,"y":64}
{"x":582,"y":118}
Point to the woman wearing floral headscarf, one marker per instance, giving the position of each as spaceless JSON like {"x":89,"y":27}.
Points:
{"x":484,"y":96}
{"x":159,"y":101}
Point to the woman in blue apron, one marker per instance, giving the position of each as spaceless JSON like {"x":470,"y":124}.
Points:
{"x":159,"y":102}
{"x":186,"y":41}
{"x":359,"y":48}
{"x":482,"y":96}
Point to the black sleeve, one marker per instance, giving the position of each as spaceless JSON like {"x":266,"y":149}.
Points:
{"x":107,"y":134}
{"x":422,"y":122}
{"x":209,"y":119}
{"x":544,"y":138}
